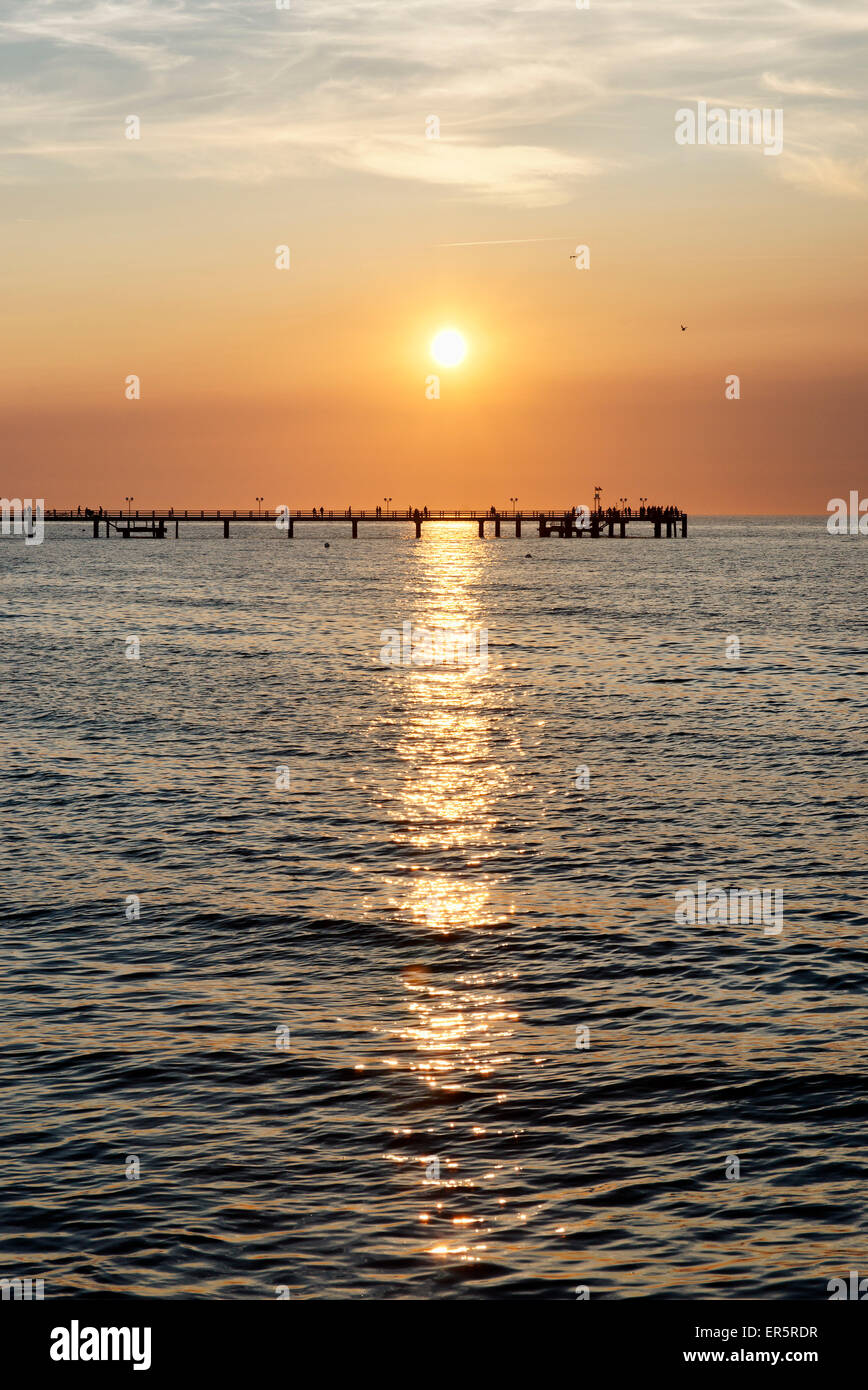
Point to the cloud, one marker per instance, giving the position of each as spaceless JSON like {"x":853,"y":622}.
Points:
{"x":501,"y":241}
{"x":535,"y":98}
{"x":840,"y":178}
{"x":527,"y":175}
{"x":801,"y":87}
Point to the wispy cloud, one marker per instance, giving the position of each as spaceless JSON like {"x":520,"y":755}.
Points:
{"x":506,"y":241}
{"x":534,"y":99}
{"x":802,"y":87}
{"x":841,"y":178}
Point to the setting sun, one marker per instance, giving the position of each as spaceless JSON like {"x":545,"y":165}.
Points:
{"x":448,"y":348}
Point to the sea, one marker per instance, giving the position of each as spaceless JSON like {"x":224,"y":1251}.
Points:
{"x":331,"y":976}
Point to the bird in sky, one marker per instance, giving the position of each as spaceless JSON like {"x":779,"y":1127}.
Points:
{"x":684,"y":328}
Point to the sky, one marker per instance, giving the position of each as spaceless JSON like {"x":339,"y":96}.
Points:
{"x":309,"y":127}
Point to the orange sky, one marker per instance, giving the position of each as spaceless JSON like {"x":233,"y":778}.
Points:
{"x":156,"y":258}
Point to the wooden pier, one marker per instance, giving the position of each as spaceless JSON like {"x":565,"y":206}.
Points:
{"x":644,"y":522}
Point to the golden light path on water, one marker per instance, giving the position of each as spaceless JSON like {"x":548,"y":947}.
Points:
{"x":451,"y":774}
{"x":457,"y":1025}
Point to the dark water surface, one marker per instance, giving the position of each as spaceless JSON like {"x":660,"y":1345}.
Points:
{"x":432,"y":909}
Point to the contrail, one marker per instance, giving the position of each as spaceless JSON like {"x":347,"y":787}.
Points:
{"x":514,"y":241}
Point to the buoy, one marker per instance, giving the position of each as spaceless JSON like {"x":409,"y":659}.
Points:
{"x":326,"y":545}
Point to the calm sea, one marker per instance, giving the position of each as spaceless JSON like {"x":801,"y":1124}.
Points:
{"x":339,"y":1043}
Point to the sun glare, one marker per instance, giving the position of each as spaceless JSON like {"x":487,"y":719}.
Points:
{"x":448,"y":348}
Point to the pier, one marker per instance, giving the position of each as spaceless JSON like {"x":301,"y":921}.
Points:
{"x":612,"y":522}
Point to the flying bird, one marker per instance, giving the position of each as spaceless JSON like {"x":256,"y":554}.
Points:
{"x":684,"y":328}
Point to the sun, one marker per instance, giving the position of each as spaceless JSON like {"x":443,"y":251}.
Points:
{"x":448,"y":348}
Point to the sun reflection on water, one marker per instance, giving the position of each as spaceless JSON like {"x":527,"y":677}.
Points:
{"x":450,"y":778}
{"x":457,"y":1029}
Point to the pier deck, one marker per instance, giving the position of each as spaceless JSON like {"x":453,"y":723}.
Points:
{"x":646,"y":522}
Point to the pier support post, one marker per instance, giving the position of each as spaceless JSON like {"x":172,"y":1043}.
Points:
{"x":226,"y":528}
{"x":657,"y":531}
{"x":96,"y":528}
{"x":289,"y":530}
{"x":595,"y":526}
{"x":611,"y":528}
{"x":481,"y":529}
{"x":518,"y":526}
{"x":176,"y":528}
{"x":497,"y":526}
{"x":355,"y":529}
{"x":542,"y":526}
{"x":623,"y":529}
{"x":684,"y":525}
{"x":418,"y":528}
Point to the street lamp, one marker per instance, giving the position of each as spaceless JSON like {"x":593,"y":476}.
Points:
{"x":513,"y":500}
{"x":388,"y":502}
{"x":129,"y":501}
{"x":260,"y":500}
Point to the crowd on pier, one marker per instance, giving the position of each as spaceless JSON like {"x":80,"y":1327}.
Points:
{"x":641,"y":513}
